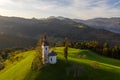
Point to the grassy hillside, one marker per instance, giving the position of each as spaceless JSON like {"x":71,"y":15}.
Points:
{"x":19,"y":69}
{"x":82,"y":65}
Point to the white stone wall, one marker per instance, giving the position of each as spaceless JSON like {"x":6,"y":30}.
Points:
{"x":45,"y":51}
{"x":52,"y":59}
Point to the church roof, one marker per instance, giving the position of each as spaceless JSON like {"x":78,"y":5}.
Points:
{"x":52,"y":53}
{"x":45,"y":43}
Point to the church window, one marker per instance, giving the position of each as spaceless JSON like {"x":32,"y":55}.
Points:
{"x":51,"y":59}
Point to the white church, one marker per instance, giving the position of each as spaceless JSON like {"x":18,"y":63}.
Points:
{"x":47,"y":55}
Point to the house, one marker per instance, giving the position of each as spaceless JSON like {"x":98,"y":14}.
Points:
{"x":47,"y":56}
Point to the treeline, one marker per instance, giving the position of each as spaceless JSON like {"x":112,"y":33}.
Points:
{"x":5,"y":52}
{"x":100,"y":48}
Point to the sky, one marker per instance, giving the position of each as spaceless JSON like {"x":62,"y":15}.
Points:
{"x":81,"y":9}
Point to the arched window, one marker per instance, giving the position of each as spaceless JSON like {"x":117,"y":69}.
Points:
{"x":51,"y":59}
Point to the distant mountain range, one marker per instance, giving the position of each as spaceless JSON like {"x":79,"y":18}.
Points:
{"x":110,"y":24}
{"x":57,"y":28}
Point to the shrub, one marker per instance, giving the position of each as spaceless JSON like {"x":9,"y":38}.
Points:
{"x":95,"y":64}
{"x":79,"y":56}
{"x":84,"y":56}
{"x":2,"y":66}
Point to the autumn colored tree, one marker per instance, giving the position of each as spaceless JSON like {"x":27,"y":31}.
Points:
{"x":37,"y":61}
{"x":38,"y":46}
{"x":66,"y":44}
{"x":105,"y":49}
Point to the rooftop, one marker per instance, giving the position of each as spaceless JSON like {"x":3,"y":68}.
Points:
{"x":52,"y":53}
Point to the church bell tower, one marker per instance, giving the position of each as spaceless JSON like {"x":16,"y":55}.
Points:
{"x":45,"y":50}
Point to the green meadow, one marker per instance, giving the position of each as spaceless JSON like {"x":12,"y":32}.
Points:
{"x":81,"y":65}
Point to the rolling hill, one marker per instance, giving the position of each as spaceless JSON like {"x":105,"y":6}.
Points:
{"x":89,"y":67}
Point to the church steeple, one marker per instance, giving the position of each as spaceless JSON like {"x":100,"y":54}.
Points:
{"x":45,"y":49}
{"x":45,"y":42}
{"x":46,"y":56}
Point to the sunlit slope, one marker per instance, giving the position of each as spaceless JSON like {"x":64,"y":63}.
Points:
{"x":96,"y":67}
{"x":18,"y":70}
{"x":90,"y":66}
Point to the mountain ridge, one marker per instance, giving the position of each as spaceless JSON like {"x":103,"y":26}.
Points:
{"x":55,"y":27}
{"x":110,"y":24}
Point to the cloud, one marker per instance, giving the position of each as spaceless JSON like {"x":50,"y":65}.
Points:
{"x":87,"y":9}
{"x":116,"y":3}
{"x":84,"y":9}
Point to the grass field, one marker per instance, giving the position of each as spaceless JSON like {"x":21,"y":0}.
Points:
{"x":81,"y":65}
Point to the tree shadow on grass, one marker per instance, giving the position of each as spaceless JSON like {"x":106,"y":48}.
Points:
{"x":70,"y":71}
{"x":53,"y":71}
